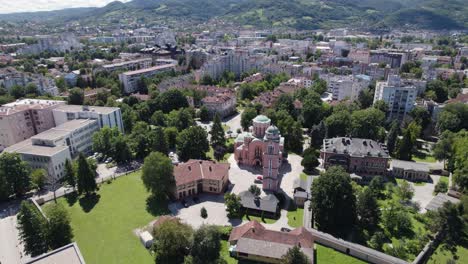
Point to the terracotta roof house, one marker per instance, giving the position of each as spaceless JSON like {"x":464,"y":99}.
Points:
{"x":197,"y":176}
{"x":253,"y":241}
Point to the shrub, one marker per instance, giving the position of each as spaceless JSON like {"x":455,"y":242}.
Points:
{"x":441,"y":187}
{"x":203,"y":213}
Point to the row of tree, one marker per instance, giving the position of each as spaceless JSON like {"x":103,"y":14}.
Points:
{"x":41,"y":233}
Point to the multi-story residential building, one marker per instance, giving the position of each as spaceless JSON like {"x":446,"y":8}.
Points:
{"x":50,"y":149}
{"x":365,"y":157}
{"x":263,"y":147}
{"x":253,"y":242}
{"x":131,"y":79}
{"x":60,"y":43}
{"x":347,"y":86}
{"x":198,"y":176}
{"x":399,"y":97}
{"x":224,"y":104}
{"x":10,"y":77}
{"x":392,"y":58}
{"x":23,"y":119}
{"x":105,"y":116}
{"x":131,"y":65}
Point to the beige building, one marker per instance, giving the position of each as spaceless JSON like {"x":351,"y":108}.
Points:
{"x":50,"y":149}
{"x":197,"y":176}
{"x":412,"y":171}
{"x":23,"y":119}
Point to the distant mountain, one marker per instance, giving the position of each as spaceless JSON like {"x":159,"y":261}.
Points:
{"x":298,"y":14}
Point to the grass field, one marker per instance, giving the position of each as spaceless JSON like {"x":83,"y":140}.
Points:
{"x":441,"y":256}
{"x":296,"y":217}
{"x":103,"y":224}
{"x":423,"y":157}
{"x":327,"y":255}
{"x":304,"y":176}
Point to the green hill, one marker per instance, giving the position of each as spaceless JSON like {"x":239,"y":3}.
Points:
{"x":298,"y":14}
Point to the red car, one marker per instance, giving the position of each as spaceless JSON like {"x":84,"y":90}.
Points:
{"x":260,"y":177}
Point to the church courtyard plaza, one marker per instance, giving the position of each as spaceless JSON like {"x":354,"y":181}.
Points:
{"x":241,"y":178}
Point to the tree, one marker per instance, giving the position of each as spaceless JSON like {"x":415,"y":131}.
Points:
{"x":102,"y":140}
{"x":233,"y":205}
{"x":338,"y":124}
{"x":171,"y":100}
{"x":377,"y":186}
{"x":440,"y":90}
{"x":70,"y":176}
{"x":171,"y":134}
{"x":5,"y":188}
{"x":421,"y":116}
{"x":441,"y":187}
{"x":121,"y":150}
{"x":32,"y":228}
{"x":59,"y":231}
{"x":255,"y":190}
{"x":319,"y":86}
{"x":17,"y":91}
{"x":381,"y":105}
{"x":86,"y":176}
{"x":158,"y":119}
{"x":366,"y":123}
{"x":393,"y":136}
{"x":310,"y":160}
{"x":16,"y":173}
{"x":334,"y":203}
{"x":206,"y":245}
{"x":172,"y":241}
{"x":76,"y":96}
{"x":368,"y":209}
{"x":377,"y":240}
{"x":192,"y":143}
{"x":38,"y":178}
{"x":246,"y":118}
{"x":404,"y":146}
{"x":294,"y":256}
{"x":158,"y":175}
{"x":285,"y":103}
{"x":405,"y":191}
{"x":203,"y":213}
{"x":313,"y":109}
{"x":217,"y":132}
{"x":218,"y":152}
{"x":449,"y":222}
{"x":140,"y":140}
{"x":396,"y":219}
{"x":443,"y":148}
{"x":158,"y":140}
{"x":366,"y":98}
{"x":204,"y":114}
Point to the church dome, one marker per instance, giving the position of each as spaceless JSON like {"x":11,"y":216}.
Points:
{"x":272,"y":130}
{"x":261,"y":119}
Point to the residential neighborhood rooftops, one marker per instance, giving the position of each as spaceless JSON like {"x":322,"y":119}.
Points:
{"x":69,"y":254}
{"x":357,"y":147}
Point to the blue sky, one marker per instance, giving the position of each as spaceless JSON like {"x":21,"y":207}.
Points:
{"x":13,"y":6}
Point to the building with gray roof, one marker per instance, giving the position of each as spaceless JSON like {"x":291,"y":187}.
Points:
{"x":365,"y":157}
{"x":412,"y":171}
{"x":256,"y":205}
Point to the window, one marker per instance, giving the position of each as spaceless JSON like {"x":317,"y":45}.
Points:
{"x":271,"y":150}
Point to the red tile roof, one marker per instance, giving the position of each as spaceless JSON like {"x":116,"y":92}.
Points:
{"x":255,"y":230}
{"x":194,"y":170}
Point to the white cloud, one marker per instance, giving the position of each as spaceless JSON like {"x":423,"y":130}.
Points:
{"x":14,"y":6}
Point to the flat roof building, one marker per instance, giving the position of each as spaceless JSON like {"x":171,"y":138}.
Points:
{"x":105,"y":116}
{"x":130,"y":80}
{"x":69,"y":254}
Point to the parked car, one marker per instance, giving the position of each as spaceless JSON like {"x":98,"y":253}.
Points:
{"x":196,"y":199}
{"x":259,"y":179}
{"x":285,"y":229}
{"x":184,"y":203}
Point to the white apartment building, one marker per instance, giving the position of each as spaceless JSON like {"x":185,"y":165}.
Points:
{"x":131,"y":79}
{"x":50,"y":149}
{"x":399,"y":97}
{"x":131,"y":65}
{"x":345,"y":87}
{"x":105,"y":116}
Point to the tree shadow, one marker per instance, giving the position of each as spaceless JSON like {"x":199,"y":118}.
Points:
{"x":157,"y":206}
{"x":71,"y":198}
{"x":88,"y":202}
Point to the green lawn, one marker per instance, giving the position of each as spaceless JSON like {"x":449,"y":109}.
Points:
{"x":103,"y":226}
{"x":259,"y":219}
{"x":441,"y":256}
{"x":444,"y":179}
{"x":327,"y":255}
{"x":423,"y":157}
{"x":224,"y":254}
{"x":296,"y":217}
{"x":303,"y":176}
{"x":210,"y":155}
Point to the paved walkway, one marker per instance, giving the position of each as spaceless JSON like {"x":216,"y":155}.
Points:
{"x":424,"y":194}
